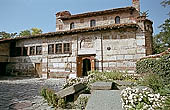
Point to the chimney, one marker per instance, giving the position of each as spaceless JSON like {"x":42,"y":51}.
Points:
{"x":136,"y":4}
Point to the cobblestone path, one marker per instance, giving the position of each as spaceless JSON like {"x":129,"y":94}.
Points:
{"x":24,"y":94}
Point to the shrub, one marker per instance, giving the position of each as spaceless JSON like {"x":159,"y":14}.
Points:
{"x":160,"y":66}
{"x":61,"y":103}
{"x":167,"y":103}
{"x":52,"y":98}
{"x":82,"y":102}
{"x":94,"y":76}
{"x":136,"y":99}
{"x":153,"y":81}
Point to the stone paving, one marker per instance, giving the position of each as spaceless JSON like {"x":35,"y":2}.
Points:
{"x":105,"y":100}
{"x":24,"y":93}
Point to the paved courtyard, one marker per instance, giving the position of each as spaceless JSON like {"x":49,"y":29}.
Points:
{"x":24,"y":93}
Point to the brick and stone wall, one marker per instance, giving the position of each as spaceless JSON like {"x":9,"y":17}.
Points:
{"x":125,"y":17}
{"x":115,"y":49}
{"x":4,"y":52}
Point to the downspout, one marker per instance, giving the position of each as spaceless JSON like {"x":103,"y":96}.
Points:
{"x":77,"y":45}
{"x":47,"y":68}
{"x":102,"y":51}
{"x":77,"y":58}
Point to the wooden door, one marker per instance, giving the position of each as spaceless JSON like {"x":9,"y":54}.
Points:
{"x":92,"y":59}
{"x":38,"y":69}
{"x":79,"y":66}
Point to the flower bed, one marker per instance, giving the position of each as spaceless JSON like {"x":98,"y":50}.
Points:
{"x":141,"y":99}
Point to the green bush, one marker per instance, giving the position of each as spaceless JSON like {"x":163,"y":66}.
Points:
{"x":61,"y":103}
{"x":153,"y":81}
{"x":82,"y":102}
{"x":50,"y":96}
{"x":160,"y":66}
{"x":110,"y":76}
{"x":167,"y":104}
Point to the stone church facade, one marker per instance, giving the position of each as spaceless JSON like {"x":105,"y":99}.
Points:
{"x":106,"y":40}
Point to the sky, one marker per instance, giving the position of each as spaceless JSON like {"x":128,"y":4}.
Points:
{"x":19,"y":15}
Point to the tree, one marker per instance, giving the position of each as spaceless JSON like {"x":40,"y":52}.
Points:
{"x":32,"y":31}
{"x":25,"y":33}
{"x":161,"y":41}
{"x":4,"y":34}
{"x":166,"y":3}
{"x":36,"y":31}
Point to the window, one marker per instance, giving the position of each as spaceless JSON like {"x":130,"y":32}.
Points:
{"x":82,"y":20}
{"x":117,"y":20}
{"x":38,"y":50}
{"x":25,"y":49}
{"x":104,"y":17}
{"x":58,"y":48}
{"x":32,"y":50}
{"x":92,"y":23}
{"x":72,"y":26}
{"x":66,"y":47}
{"x":18,"y":51}
{"x":51,"y":49}
{"x":60,"y":27}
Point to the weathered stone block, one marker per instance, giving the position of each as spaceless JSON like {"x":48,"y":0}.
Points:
{"x":102,"y":86}
{"x":105,"y":100}
{"x":129,"y":57}
{"x":141,"y":50}
{"x":140,"y":42}
{"x":123,"y":83}
{"x":120,"y":57}
{"x":70,"y":90}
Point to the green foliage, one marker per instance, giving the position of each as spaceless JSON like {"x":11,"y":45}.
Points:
{"x":161,"y":41}
{"x":160,"y":66}
{"x":82,"y":102}
{"x":61,"y":103}
{"x":32,"y":31}
{"x":43,"y":93}
{"x":49,"y":96}
{"x":153,"y":81}
{"x":52,"y":98}
{"x":4,"y":34}
{"x":36,"y":31}
{"x":25,"y":33}
{"x":165,"y":3}
{"x":111,"y":76}
{"x":167,"y":104}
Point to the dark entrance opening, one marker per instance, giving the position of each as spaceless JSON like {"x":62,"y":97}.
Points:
{"x":2,"y":69}
{"x":86,"y":66}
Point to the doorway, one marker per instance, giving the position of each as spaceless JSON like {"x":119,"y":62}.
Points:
{"x":3,"y":69}
{"x":38,"y":69}
{"x":86,"y":66}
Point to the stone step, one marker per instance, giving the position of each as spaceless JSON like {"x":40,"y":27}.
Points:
{"x":102,"y":86}
{"x":105,"y":100}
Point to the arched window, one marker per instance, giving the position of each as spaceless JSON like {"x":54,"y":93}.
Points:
{"x":117,"y":20}
{"x":72,"y":25}
{"x":92,"y":23}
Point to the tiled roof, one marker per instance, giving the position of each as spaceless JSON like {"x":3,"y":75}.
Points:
{"x":75,"y":31}
{"x":96,"y":13}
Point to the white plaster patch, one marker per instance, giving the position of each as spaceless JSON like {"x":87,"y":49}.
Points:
{"x":44,"y":76}
{"x":55,"y":65}
{"x":72,"y":76}
{"x":140,"y":42}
